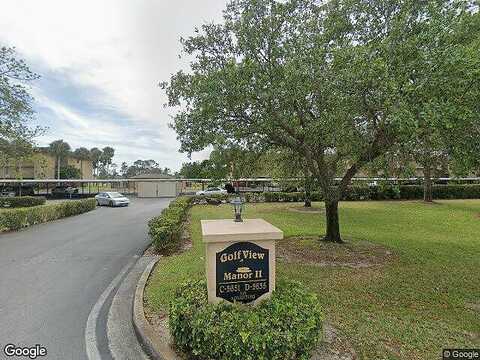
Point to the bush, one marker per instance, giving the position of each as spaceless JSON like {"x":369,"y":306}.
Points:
{"x":441,"y":191}
{"x":21,"y":201}
{"x":166,"y":229}
{"x":254,"y":197}
{"x":14,"y":219}
{"x":286,"y":326}
{"x":357,"y":193}
{"x":411,"y":192}
{"x":383,"y":192}
{"x":70,"y":172}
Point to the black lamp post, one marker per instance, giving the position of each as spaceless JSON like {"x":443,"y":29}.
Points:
{"x":238,"y":207}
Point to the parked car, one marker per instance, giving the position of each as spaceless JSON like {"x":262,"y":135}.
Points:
{"x":112,"y":199}
{"x":64,"y":191}
{"x":212,"y":191}
{"x":23,"y":190}
{"x":7,"y":193}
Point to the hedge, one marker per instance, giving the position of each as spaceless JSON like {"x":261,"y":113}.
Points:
{"x":286,"y":326}
{"x":404,"y":192}
{"x":14,"y":219}
{"x":358,"y":193}
{"x":442,"y":192}
{"x":21,"y":201}
{"x":166,"y":229}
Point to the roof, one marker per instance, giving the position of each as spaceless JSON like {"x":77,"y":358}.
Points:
{"x":153,"y":176}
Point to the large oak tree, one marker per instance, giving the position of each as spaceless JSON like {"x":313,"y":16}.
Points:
{"x":326,"y":80}
{"x":15,"y":100}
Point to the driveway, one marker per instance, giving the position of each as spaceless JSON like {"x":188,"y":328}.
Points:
{"x":51,"y":275}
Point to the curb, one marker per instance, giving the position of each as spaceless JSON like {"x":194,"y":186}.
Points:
{"x":153,"y":344}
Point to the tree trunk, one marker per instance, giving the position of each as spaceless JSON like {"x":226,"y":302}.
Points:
{"x":58,"y":167}
{"x":308,"y":192}
{"x":427,"y":183}
{"x":308,"y":202}
{"x":333,"y":226}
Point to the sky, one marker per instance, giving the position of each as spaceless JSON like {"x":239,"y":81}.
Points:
{"x":100,"y":63}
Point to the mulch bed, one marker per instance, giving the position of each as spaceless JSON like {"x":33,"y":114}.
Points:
{"x":307,"y":210}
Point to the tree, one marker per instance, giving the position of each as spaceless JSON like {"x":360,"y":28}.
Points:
{"x":70,"y":172}
{"x":60,"y":149}
{"x":82,"y":154}
{"x":230,"y":161}
{"x":95,"y":156}
{"x":224,"y":162}
{"x":327,"y":81}
{"x":13,"y":154}
{"x":107,"y":157}
{"x":102,"y":172}
{"x":193,"y":170}
{"x":284,"y":163}
{"x":444,"y":89}
{"x":124,"y":169}
{"x":113,"y":170}
{"x":140,"y":167}
{"x":15,"y":101}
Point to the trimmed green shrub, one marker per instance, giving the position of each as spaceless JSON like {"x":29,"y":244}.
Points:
{"x":21,"y":201}
{"x":441,"y":191}
{"x":411,"y":192}
{"x":286,"y":326}
{"x":254,"y":197}
{"x":166,"y":229}
{"x":383,"y":192}
{"x":354,"y":193}
{"x":15,"y":219}
{"x":359,"y":193}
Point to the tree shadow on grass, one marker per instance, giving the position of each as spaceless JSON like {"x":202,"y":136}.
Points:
{"x":313,"y":251}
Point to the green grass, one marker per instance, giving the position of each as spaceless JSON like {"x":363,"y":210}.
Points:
{"x":409,"y":308}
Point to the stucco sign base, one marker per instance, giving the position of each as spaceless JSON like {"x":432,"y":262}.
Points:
{"x":240,"y":259}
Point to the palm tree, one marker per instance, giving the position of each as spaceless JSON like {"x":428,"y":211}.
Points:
{"x":59,"y":149}
{"x":107,"y":156}
{"x":95,"y":156}
{"x":82,"y":154}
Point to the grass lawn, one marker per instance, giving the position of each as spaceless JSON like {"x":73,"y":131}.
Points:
{"x":424,"y":298}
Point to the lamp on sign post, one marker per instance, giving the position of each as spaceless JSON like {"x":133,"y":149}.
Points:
{"x":238,"y":207}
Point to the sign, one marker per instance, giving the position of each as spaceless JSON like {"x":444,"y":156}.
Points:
{"x":240,"y":260}
{"x":242,"y":272}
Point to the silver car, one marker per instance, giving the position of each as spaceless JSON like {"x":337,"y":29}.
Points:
{"x":112,"y":199}
{"x":212,"y":191}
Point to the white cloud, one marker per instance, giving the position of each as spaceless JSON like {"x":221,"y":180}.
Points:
{"x":122,"y":48}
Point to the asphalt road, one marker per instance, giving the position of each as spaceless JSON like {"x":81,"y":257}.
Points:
{"x":51,"y":275}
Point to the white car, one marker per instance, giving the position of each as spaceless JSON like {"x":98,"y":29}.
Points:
{"x":112,"y":199}
{"x":212,"y":191}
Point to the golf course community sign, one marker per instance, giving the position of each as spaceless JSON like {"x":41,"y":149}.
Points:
{"x":240,"y":259}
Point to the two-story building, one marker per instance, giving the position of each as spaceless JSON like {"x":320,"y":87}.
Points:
{"x":42,"y":165}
